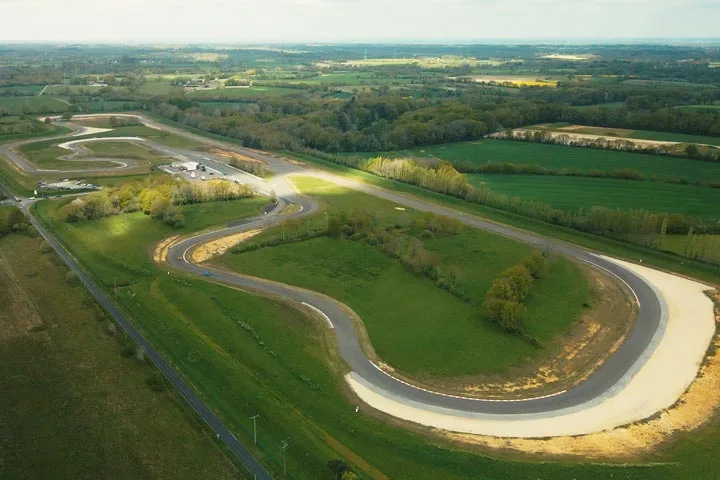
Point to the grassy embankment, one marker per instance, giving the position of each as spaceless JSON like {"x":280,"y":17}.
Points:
{"x":72,"y":405}
{"x":248,"y":356}
{"x":415,"y":326}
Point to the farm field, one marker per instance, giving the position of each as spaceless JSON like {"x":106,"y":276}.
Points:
{"x":73,"y":406}
{"x":80,"y":89}
{"x":22,"y":90}
{"x":572,"y":193}
{"x":34,"y":104}
{"x":562,"y":157}
{"x":156,"y":88}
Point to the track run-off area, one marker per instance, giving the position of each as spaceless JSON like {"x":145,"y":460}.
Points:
{"x":658,"y":360}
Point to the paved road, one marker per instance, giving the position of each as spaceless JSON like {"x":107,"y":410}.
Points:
{"x":616,"y":370}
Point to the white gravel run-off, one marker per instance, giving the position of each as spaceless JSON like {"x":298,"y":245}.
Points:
{"x":91,"y":131}
{"x":68,"y":145}
{"x":653,"y":384}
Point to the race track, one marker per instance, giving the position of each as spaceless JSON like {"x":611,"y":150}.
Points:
{"x":605,"y":382}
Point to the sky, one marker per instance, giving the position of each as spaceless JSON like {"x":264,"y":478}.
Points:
{"x":308,"y":21}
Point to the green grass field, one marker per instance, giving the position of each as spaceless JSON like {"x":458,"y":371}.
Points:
{"x":570,"y":158}
{"x":72,"y":406}
{"x":572,"y":193}
{"x":143,"y":154}
{"x":440,"y":335}
{"x":157,"y":88}
{"x":242,"y":93}
{"x":34,"y":104}
{"x":199,"y":327}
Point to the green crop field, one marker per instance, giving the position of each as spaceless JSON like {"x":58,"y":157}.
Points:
{"x":24,"y":90}
{"x":34,"y":104}
{"x":440,"y":335}
{"x":250,"y":356}
{"x":572,"y":193}
{"x":570,"y":158}
{"x":72,"y":405}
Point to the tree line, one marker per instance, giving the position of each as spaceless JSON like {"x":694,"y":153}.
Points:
{"x":692,"y":151}
{"x":158,"y":198}
{"x":12,"y":220}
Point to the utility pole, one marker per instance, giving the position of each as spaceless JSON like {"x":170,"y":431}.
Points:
{"x":254,"y":419}
{"x":283,"y":447}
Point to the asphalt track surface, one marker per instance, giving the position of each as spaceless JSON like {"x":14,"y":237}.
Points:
{"x":613,"y":372}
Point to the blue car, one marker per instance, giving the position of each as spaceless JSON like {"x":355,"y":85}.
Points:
{"x":207,"y":274}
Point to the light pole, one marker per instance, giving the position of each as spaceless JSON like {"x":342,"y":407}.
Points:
{"x":254,"y":419}
{"x":283,"y":447}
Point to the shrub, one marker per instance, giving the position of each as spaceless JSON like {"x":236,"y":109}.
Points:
{"x":45,"y":247}
{"x":72,"y":278}
{"x":156,"y":382}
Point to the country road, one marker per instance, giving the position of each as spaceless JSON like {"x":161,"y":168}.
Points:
{"x":612,"y":376}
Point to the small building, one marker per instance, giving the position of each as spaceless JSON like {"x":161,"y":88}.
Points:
{"x":190,"y":166}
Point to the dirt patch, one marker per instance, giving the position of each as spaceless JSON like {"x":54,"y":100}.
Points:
{"x":573,"y":356}
{"x":694,"y":408}
{"x":235,"y":155}
{"x":215,"y":248}
{"x":566,"y":132}
{"x":160,"y":252}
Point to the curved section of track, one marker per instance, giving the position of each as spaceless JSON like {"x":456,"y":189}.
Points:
{"x":616,"y":371}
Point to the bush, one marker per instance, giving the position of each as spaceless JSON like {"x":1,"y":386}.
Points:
{"x":72,"y":278}
{"x":156,"y":382}
{"x":128,"y":350}
{"x":45,"y":247}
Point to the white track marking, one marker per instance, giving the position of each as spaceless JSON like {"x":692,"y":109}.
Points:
{"x":314,"y":308}
{"x":462,"y":397}
{"x":637,"y":300}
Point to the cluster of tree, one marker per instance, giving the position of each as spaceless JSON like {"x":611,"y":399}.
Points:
{"x":363,"y":123}
{"x":12,"y":220}
{"x":256,"y":168}
{"x":617,"y":144}
{"x":702,"y":247}
{"x":442,"y":178}
{"x":158,"y":198}
{"x":505,"y":300}
{"x":506,"y":168}
{"x":341,"y":470}
{"x":23,"y":129}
